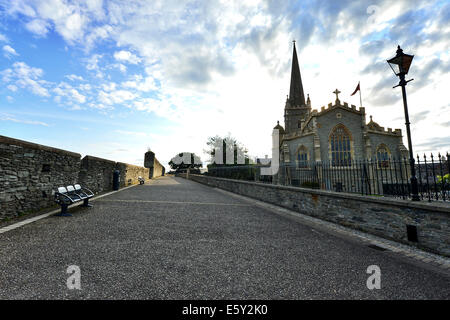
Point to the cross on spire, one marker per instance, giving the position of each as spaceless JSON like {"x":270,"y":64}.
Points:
{"x":336,"y":92}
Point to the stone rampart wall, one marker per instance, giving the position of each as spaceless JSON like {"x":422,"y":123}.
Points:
{"x":384,"y":217}
{"x":30,"y":173}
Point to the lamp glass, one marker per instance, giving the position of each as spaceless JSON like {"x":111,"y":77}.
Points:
{"x":400,"y":63}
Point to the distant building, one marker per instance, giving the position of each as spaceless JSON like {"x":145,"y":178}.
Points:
{"x":337,"y":134}
{"x":264,"y":161}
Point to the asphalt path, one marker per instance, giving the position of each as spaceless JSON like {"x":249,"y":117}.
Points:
{"x":178,"y":239}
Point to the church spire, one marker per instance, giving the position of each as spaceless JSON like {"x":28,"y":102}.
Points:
{"x":296,"y":95}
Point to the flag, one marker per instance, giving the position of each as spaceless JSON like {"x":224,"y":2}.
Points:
{"x":356,"y":90}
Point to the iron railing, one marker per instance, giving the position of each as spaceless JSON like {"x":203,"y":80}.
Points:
{"x":373,"y":177}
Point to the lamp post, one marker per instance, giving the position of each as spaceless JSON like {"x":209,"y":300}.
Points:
{"x":400,"y":66}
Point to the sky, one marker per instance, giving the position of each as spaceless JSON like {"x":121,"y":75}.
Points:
{"x":114,"y":78}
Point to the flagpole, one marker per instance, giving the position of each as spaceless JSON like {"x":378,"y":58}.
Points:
{"x":360,"y":99}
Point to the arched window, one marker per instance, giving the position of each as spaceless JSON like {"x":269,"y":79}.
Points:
{"x":340,"y":142}
{"x":383,"y":156}
{"x":302,"y":157}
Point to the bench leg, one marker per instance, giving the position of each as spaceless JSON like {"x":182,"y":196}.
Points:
{"x":86,"y":203}
{"x":63,"y":212}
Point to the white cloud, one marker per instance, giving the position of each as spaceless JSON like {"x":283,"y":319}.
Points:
{"x":12,"y":87}
{"x":126,"y":56}
{"x":9,"y":51}
{"x":5,"y":117}
{"x":141,"y":84}
{"x":217,"y":59}
{"x":38,"y":26}
{"x":109,"y":86}
{"x":132,"y":133}
{"x":115,"y":97}
{"x":26,"y":77}
{"x":122,"y":68}
{"x":66,"y":90}
{"x":74,"y":77}
{"x":92,"y":62}
{"x":85,"y":87}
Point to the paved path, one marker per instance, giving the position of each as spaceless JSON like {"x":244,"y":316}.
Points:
{"x":177,"y":239}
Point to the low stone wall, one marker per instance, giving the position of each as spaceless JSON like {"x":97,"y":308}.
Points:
{"x":97,"y":173}
{"x":383,"y":217}
{"x":129,"y":173}
{"x":29,"y":173}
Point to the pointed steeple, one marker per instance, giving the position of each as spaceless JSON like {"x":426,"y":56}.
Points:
{"x":296,"y":95}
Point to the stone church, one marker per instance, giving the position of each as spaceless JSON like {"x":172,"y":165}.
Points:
{"x":336,"y":135}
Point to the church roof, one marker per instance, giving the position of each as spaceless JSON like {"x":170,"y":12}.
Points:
{"x":296,"y":95}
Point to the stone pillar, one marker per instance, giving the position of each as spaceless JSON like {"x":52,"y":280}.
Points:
{"x":317,"y":156}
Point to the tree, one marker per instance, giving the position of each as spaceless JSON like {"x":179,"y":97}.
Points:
{"x":185,"y":160}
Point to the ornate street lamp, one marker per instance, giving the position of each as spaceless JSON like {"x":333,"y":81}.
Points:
{"x":400,"y":66}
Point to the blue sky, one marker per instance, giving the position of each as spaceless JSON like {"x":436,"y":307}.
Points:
{"x":113,"y":78}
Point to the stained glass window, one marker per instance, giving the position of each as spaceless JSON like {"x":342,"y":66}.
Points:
{"x":383,"y":156}
{"x":340,"y":147}
{"x":302,"y":157}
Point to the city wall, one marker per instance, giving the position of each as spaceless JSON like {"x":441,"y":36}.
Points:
{"x":384,"y":217}
{"x":30,"y":173}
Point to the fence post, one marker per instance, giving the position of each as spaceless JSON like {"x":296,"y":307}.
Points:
{"x":442,"y":177}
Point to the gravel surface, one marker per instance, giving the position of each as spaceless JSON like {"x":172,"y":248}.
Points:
{"x":177,"y":239}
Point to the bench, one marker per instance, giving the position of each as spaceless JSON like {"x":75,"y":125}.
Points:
{"x":70,"y":195}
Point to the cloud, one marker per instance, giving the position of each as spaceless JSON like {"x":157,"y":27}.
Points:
{"x":92,"y":62}
{"x":12,"y":87}
{"x":126,"y":56}
{"x":5,"y":117}
{"x":9,"y":51}
{"x":417,"y":117}
{"x":115,"y":97}
{"x":66,"y":90}
{"x":435,"y":144}
{"x":131,"y":133}
{"x":26,"y":77}
{"x":74,"y":77}
{"x":38,"y":27}
{"x":215,"y":59}
{"x":140,"y":83}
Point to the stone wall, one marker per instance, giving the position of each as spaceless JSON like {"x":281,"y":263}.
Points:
{"x":156,"y":169}
{"x":129,"y":173}
{"x":29,"y":173}
{"x":384,"y":217}
{"x":97,"y":173}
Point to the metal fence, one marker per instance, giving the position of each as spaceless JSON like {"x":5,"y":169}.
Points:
{"x":390,"y":177}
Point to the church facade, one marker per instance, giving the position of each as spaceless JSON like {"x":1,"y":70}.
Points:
{"x":337,"y":135}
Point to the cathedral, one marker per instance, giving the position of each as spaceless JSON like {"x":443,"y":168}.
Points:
{"x":336,"y":135}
